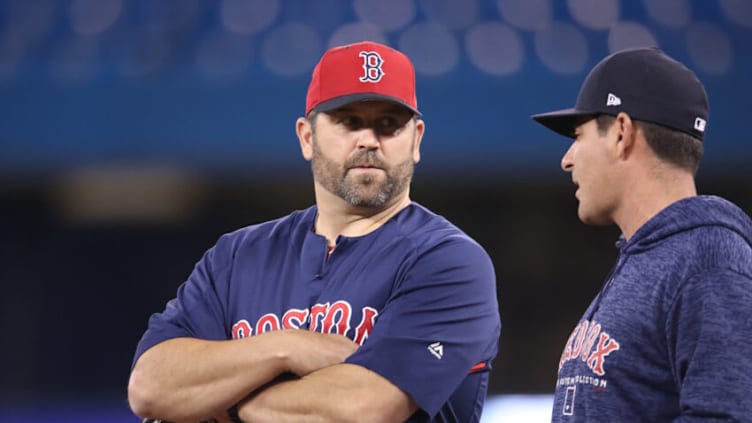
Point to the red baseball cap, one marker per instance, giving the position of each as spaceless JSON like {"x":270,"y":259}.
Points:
{"x":358,"y":72}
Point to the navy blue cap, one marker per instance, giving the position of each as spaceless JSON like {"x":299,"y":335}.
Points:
{"x":646,"y":84}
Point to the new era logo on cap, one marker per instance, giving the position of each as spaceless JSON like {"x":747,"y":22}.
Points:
{"x":613,"y":100}
{"x":358,"y":72}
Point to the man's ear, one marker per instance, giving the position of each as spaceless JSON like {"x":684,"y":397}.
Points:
{"x":304,"y":129}
{"x":420,"y":128}
{"x":626,"y":133}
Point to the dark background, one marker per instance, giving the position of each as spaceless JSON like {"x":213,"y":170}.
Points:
{"x":132,"y":136}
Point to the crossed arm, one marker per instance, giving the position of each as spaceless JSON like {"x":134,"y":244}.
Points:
{"x":189,"y":380}
{"x":341,"y":393}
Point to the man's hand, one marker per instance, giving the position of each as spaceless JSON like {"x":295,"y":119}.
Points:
{"x":311,"y":351}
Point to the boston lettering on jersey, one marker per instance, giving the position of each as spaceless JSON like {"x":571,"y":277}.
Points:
{"x":590,"y":344}
{"x":325,"y":318}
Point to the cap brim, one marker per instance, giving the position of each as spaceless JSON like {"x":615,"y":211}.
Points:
{"x":564,"y":121}
{"x":337,"y":102}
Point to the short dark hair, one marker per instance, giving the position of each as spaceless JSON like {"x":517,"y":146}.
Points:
{"x":672,"y":146}
{"x":312,"y":119}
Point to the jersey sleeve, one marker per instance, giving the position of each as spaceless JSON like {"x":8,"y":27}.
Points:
{"x":441,"y":320}
{"x":198,"y":309}
{"x":709,"y":330}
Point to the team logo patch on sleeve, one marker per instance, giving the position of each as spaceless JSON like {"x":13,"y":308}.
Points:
{"x":436,"y":349}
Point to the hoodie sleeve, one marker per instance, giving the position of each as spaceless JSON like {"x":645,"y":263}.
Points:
{"x":709,"y":329}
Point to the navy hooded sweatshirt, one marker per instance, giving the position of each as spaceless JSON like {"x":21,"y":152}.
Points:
{"x":669,"y":336}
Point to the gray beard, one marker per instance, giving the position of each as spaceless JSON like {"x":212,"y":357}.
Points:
{"x":361,"y":190}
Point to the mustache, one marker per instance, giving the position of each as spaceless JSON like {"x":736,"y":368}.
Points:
{"x":365,"y":158}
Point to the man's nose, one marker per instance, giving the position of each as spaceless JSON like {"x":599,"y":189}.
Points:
{"x":567,"y":162}
{"x":368,"y":138}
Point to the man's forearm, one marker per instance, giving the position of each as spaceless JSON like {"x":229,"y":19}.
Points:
{"x":187,"y":379}
{"x":341,"y":393}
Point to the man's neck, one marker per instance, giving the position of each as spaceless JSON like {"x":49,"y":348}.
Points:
{"x":336,"y":217}
{"x":649,"y":196}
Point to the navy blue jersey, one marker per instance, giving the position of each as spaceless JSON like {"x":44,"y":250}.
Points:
{"x":668,"y":337}
{"x":417,"y":294}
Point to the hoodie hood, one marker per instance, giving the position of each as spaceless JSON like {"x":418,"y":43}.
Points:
{"x":688,"y":214}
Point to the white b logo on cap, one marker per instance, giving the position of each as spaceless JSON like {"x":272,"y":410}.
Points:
{"x":372,"y":63}
{"x":700,"y":124}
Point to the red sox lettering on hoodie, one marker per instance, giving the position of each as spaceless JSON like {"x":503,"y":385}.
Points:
{"x":591,"y":345}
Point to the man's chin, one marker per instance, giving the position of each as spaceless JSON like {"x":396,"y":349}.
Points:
{"x":367,"y":197}
{"x":593,"y":219}
{"x":368,"y":202}
{"x":365,"y":178}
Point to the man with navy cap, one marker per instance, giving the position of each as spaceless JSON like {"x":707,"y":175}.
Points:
{"x":667,"y":338}
{"x":365,"y":307}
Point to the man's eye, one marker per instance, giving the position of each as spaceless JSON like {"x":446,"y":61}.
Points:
{"x":389,"y":125}
{"x":388,"y":122}
{"x":352,"y":122}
